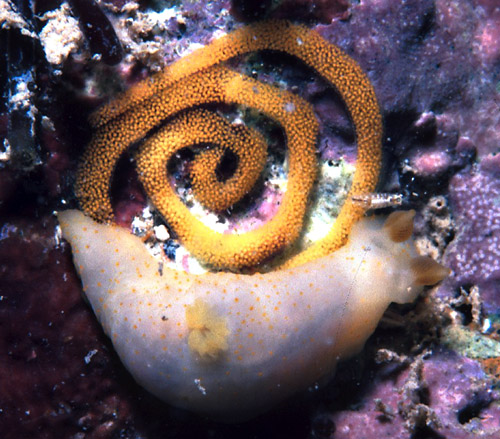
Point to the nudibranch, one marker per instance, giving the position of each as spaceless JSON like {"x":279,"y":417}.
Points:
{"x":233,"y":345}
{"x":227,"y":344}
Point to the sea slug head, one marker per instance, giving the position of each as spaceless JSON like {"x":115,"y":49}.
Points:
{"x":398,"y":227}
{"x":427,"y":271}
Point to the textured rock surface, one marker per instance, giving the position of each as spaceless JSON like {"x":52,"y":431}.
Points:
{"x":435,"y":66}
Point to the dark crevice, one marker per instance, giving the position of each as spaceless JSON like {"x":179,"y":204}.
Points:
{"x":426,"y":433}
{"x":466,"y":311}
{"x":471,"y":410}
{"x":227,"y":166}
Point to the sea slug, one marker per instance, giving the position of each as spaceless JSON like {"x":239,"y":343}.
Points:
{"x":231,"y":345}
{"x":227,"y":344}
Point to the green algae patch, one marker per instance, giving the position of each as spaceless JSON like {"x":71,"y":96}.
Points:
{"x":470,"y":343}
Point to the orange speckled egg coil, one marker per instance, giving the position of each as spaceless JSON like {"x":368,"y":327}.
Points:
{"x":199,"y":78}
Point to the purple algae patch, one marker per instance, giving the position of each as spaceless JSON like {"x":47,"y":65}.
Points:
{"x":474,"y":254}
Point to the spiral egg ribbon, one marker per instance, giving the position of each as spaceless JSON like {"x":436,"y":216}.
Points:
{"x":199,"y":79}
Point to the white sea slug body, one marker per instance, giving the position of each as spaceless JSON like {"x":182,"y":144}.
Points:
{"x":229,"y":345}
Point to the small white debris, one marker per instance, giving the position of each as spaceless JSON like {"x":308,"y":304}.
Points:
{"x":163,"y":16}
{"x":142,"y":223}
{"x":61,"y":35}
{"x":5,"y":151}
{"x":218,"y":33}
{"x":57,"y":232}
{"x":202,"y":389}
{"x":161,"y":232}
{"x":89,"y":356}
{"x":11,"y":19}
{"x":485,"y":328}
{"x":189,"y":49}
{"x":22,"y":96}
